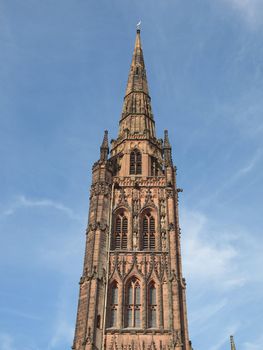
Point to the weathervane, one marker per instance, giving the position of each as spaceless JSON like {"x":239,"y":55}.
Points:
{"x":138,"y":25}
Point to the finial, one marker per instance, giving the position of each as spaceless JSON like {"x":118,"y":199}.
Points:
{"x":138,"y":26}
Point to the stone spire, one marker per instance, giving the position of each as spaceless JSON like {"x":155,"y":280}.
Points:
{"x":104,"y":148}
{"x":137,"y":80}
{"x":137,"y":114}
{"x":233,"y":347}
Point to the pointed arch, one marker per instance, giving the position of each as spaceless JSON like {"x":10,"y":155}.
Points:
{"x":133,"y":303}
{"x":152,"y":305}
{"x":148,"y":230}
{"x":135,"y":162}
{"x":120,"y":229}
{"x":114,"y":304}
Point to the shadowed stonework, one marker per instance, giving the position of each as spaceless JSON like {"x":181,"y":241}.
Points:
{"x":132,"y":293}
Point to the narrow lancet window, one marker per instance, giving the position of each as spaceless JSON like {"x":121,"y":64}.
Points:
{"x":133,"y":305}
{"x":154,"y":167}
{"x":121,"y":232}
{"x":135,"y":162}
{"x":152,"y":307}
{"x":114,"y":305}
{"x":148,"y":232}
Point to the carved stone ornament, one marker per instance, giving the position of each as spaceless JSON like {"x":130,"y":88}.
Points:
{"x":171,"y":226}
{"x":169,"y":193}
{"x":149,"y":198}
{"x":100,"y":188}
{"x":122,"y":197}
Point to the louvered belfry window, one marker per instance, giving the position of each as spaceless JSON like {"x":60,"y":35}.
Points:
{"x":135,"y":162}
{"x":133,"y":304}
{"x":148,"y":232}
{"x":121,"y":231}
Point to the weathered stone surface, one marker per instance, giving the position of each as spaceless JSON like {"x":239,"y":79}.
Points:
{"x":132,"y":293}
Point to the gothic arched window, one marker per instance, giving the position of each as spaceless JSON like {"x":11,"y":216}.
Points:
{"x":152,"y":306}
{"x":113,"y":304}
{"x":154,"y":167}
{"x":121,"y":231}
{"x":148,"y":232}
{"x":135,"y":162}
{"x":133,"y":304}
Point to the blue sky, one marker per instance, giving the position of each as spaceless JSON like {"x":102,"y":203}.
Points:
{"x":63,"y":71}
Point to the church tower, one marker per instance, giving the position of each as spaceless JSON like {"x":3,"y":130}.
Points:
{"x":132,"y":291}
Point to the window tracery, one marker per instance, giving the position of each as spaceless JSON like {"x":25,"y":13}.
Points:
{"x":133,"y":304}
{"x":148,"y":232}
{"x":120,"y":231}
{"x":135,"y":162}
{"x":114,"y":305}
{"x":152,"y":307}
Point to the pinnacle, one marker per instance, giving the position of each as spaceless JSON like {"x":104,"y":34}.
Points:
{"x":166,"y":140}
{"x":105,"y":143}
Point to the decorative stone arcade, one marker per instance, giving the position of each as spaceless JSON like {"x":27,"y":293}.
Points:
{"x":132,"y":293}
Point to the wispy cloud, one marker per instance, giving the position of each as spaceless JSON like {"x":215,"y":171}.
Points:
{"x":6,"y":342}
{"x":255,"y":345}
{"x":20,"y":314}
{"x":207,"y":256}
{"x":251,"y":10}
{"x":63,"y":329}
{"x":223,"y":331}
{"x":24,"y":202}
{"x":208,"y":312}
{"x":237,"y":175}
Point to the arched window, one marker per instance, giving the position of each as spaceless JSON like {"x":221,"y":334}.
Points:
{"x":135,"y":162}
{"x":154,"y":167}
{"x":114,"y":305}
{"x":133,"y":304}
{"x":121,"y":231}
{"x":152,"y":306}
{"x":148,"y":232}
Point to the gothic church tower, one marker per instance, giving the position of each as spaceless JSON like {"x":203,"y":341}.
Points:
{"x":132,"y":292}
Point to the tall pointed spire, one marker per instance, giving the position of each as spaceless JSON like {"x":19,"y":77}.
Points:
{"x":137,"y":81}
{"x":137,"y":114}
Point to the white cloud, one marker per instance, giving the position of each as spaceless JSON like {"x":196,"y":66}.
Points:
{"x":209,"y":255}
{"x":24,"y":202}
{"x":251,"y":10}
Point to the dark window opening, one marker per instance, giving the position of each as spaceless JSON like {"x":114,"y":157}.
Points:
{"x":98,"y":321}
